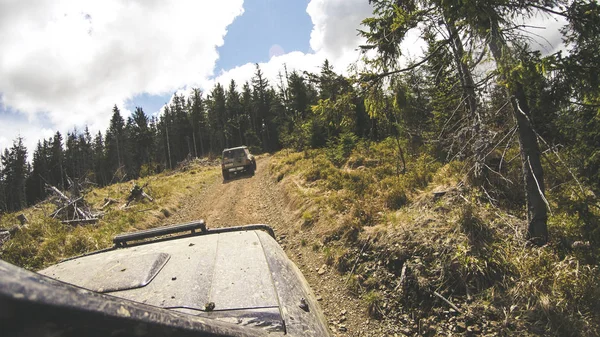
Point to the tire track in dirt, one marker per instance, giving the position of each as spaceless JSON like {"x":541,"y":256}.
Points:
{"x":260,"y":200}
{"x":239,"y":201}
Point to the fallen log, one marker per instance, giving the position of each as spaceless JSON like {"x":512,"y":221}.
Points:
{"x":4,"y":236}
{"x":71,"y":203}
{"x":108,"y":202}
{"x":11,"y":230}
{"x":57,"y":192}
{"x":147,"y":196}
{"x":70,"y":208}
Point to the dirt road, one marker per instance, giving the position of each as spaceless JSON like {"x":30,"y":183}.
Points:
{"x":260,"y":200}
{"x":240,"y":201}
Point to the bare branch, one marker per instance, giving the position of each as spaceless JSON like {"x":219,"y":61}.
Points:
{"x":538,"y":186}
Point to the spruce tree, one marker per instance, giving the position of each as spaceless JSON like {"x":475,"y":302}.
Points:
{"x":14,"y":175}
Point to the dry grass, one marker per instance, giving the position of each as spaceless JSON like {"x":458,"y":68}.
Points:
{"x":458,"y":244}
{"x":46,"y":241}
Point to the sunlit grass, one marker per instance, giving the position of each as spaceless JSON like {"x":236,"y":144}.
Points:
{"x":460,"y":242}
{"x":45,"y":241}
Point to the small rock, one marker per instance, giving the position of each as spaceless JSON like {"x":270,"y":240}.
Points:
{"x":319,"y":298}
{"x":303,"y":305}
{"x":191,"y":244}
{"x":210,"y":306}
{"x":461,"y":326}
{"x":344,"y":312}
{"x":173,"y":278}
{"x":342,"y":319}
{"x":580,"y":244}
{"x":321,"y":271}
{"x":342,"y":328}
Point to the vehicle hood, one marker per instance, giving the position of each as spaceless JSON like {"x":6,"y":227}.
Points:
{"x":225,"y":276}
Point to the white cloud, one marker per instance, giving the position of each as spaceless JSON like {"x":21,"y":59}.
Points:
{"x":70,"y":61}
{"x":30,"y":131}
{"x":544,"y":33}
{"x":335,"y":31}
{"x":334,"y":37}
{"x":293,"y":61}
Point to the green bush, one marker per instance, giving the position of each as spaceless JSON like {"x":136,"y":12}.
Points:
{"x":339,"y":150}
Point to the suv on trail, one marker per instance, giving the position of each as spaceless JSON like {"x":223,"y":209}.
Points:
{"x":236,"y":160}
{"x":180,"y":280}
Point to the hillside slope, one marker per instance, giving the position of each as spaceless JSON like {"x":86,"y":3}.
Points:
{"x":419,"y":253}
{"x":427,"y":253}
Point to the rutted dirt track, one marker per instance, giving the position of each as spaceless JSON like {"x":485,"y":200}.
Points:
{"x":259,"y":200}
{"x":240,"y":201}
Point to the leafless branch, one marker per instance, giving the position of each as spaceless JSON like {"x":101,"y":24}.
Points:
{"x":538,"y":186}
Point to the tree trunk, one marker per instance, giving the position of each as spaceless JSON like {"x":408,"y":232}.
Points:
{"x":465,"y":75}
{"x":533,"y":174}
{"x":195,"y":150}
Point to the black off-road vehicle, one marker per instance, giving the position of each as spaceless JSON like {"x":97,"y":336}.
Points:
{"x":182,"y":280}
{"x":237,"y":160}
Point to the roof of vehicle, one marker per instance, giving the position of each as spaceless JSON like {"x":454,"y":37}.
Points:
{"x":235,"y":148}
{"x":240,"y":277}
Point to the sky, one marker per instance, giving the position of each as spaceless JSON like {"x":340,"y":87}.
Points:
{"x":65,"y":63}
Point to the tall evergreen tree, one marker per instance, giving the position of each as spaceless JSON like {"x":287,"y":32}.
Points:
{"x":235,"y":118}
{"x":56,"y":162}
{"x":14,"y":175}
{"x":198,"y":121}
{"x":115,"y":144}
{"x":141,"y":140}
{"x":99,"y":158}
{"x":216,"y":118}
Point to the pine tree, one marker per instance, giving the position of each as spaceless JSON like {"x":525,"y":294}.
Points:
{"x":198,"y":121}
{"x":72,"y":155}
{"x":86,"y":153}
{"x":115,"y":145}
{"x":99,"y":160}
{"x":141,"y":140}
{"x":235,"y":118}
{"x":247,"y":104}
{"x":14,"y":175}
{"x":56,"y":162}
{"x":181,"y":136}
{"x":216,"y":118}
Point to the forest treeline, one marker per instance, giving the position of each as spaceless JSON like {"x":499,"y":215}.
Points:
{"x":480,"y":91}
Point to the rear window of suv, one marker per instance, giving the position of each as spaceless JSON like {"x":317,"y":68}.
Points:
{"x":229,"y":154}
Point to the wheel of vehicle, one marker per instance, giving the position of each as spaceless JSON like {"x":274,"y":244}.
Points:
{"x":225,"y":175}
{"x":253,"y":166}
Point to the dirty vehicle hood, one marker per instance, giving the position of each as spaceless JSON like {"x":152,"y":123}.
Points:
{"x":239,"y":277}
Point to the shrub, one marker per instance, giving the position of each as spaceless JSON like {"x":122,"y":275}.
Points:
{"x":308,"y":219}
{"x":394,"y":192}
{"x":340,"y":149}
{"x":372,"y":301}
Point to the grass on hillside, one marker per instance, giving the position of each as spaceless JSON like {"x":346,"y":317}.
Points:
{"x":466,"y":244}
{"x":45,"y":241}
